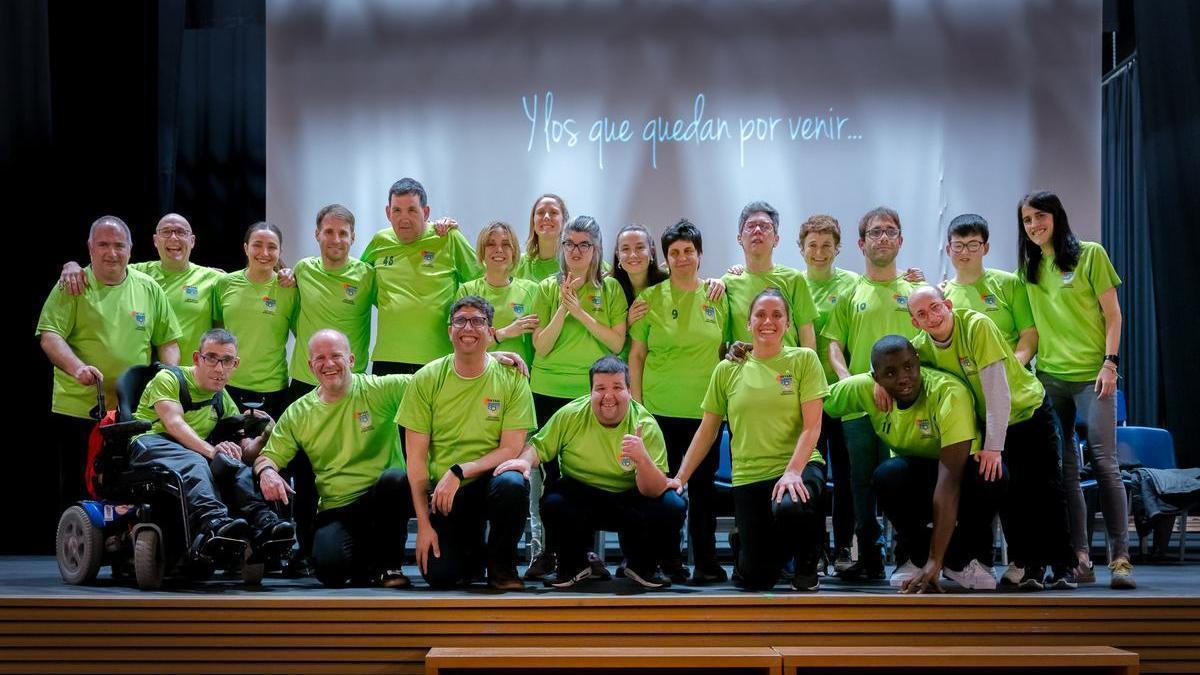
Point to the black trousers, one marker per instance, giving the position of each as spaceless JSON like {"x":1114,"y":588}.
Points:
{"x":71,"y":438}
{"x":647,"y":525}
{"x":904,"y":487}
{"x":355,"y":542}
{"x":297,"y":389}
{"x":771,"y":533}
{"x":395,"y":368}
{"x":271,"y":402}
{"x":1035,"y":521}
{"x":833,"y":448}
{"x":497,"y":503}
{"x":702,"y":494}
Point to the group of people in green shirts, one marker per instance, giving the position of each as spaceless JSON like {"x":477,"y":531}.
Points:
{"x":933,"y":403}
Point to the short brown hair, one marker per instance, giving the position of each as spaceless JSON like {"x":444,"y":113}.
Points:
{"x":509,"y":233}
{"x":821,"y":224}
{"x":337,"y":211}
{"x":880,"y":212}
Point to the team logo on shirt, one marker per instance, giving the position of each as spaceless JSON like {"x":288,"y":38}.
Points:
{"x":710,"y":313}
{"x":191,"y":294}
{"x":1068,"y":278}
{"x":364,"y":420}
{"x":831,"y":299}
{"x":268,"y":305}
{"x":139,"y":318}
{"x":517,"y":308}
{"x":787,"y":386}
{"x":967,"y":365}
{"x":596,"y":300}
{"x":493,"y":408}
{"x":925,"y":427}
{"x":427,"y":258}
{"x":989,"y":300}
{"x":901,"y":301}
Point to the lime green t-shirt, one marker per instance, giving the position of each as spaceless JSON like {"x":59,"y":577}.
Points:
{"x":590,"y":452}
{"x":998,"y":295}
{"x":510,"y":303}
{"x":464,"y":417}
{"x":109,"y":327}
{"x":941,"y":416}
{"x":260,"y":316}
{"x":683,"y":333}
{"x":350,"y":442}
{"x":340,"y":299}
{"x":1066,"y":309}
{"x":563,"y":372}
{"x":975,"y":344}
{"x":416,"y":286}
{"x":164,"y":386}
{"x":536,"y":269}
{"x":761,"y":398}
{"x":869,"y":311}
{"x":191,"y":294}
{"x":741,"y":289}
{"x":826,"y":294}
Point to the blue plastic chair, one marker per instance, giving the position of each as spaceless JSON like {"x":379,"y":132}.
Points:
{"x":1152,"y":448}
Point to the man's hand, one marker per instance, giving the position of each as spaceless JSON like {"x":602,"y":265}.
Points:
{"x":287,"y":277}
{"x":516,"y":464}
{"x":274,"y":487}
{"x":73,"y":279}
{"x":914,"y":275}
{"x":88,"y":375}
{"x":990,"y":464}
{"x":633,"y":449}
{"x":675,"y":484}
{"x":427,"y":539}
{"x":791,"y":482}
{"x":443,"y":226}
{"x":738,"y":351}
{"x":926,"y":581}
{"x":883,"y":400}
{"x":229,"y":449}
{"x":736,"y":270}
{"x":443,"y":495}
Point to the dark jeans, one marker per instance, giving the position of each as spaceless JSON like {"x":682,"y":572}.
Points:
{"x":298,"y":389}
{"x":544,"y":408}
{"x":204,"y":480}
{"x":1035,"y":519}
{"x":498,"y":503}
{"x":355,"y":542}
{"x":771,"y":533}
{"x":905,"y":488}
{"x":866,"y":452}
{"x":647,"y":526}
{"x":833,"y":447}
{"x":71,"y":436}
{"x":394,"y":368}
{"x":271,"y":402}
{"x":702,"y":494}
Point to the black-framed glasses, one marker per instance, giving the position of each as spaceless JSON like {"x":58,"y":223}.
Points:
{"x":473,"y":321}
{"x":226,"y":362}
{"x":582,"y":247}
{"x":971,"y":246}
{"x":877,"y":233}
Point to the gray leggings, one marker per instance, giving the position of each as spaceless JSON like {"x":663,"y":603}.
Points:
{"x":1101,"y":417}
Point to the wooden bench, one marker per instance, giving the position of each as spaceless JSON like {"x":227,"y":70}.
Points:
{"x":1090,"y":660}
{"x":600,"y":659}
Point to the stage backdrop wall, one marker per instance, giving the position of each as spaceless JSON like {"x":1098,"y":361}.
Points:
{"x":648,"y":112}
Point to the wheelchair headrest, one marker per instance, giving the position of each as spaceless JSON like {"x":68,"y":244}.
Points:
{"x":130,"y":386}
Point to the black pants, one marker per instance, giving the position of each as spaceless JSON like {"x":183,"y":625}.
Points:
{"x":355,"y":542}
{"x":206,"y":481}
{"x":770,"y":533}
{"x":1035,"y":520}
{"x":702,"y":494}
{"x":904,"y":487}
{"x":833,"y":448}
{"x":498,"y":503}
{"x":394,"y":368}
{"x":71,"y":436}
{"x":271,"y":402}
{"x":647,"y":525}
{"x":298,"y":389}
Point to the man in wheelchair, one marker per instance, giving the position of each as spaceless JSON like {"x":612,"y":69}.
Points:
{"x":184,"y":406}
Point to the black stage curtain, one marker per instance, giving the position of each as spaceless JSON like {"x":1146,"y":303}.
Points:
{"x":127,"y":108}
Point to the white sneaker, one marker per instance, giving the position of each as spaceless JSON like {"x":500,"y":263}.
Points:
{"x":975,"y":576}
{"x":1012,"y":576}
{"x":903,"y":573}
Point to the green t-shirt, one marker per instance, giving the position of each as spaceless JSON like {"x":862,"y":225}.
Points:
{"x":191,"y":294}
{"x":826,"y":294}
{"x":510,"y":302}
{"x":340,"y":299}
{"x":464,"y":417}
{"x":741,"y":289}
{"x":109,"y":327}
{"x":941,"y":416}
{"x":164,"y":386}
{"x":564,"y":371}
{"x":349,"y":442}
{"x":761,"y":398}
{"x":416,"y":286}
{"x":261,"y":316}
{"x":536,"y":269}
{"x":1066,"y":309}
{"x":683,"y":332}
{"x":1000,"y":296}
{"x":590,"y":452}
{"x":869,"y":311}
{"x":975,"y":344}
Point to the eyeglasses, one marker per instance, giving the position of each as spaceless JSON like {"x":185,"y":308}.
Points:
{"x":473,"y":321}
{"x":758,"y":226}
{"x":877,"y":233}
{"x":225,"y":362}
{"x":582,"y":247}
{"x":176,"y":232}
{"x":960,"y":246}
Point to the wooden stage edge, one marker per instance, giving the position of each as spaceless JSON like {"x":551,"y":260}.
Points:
{"x":307,"y":634}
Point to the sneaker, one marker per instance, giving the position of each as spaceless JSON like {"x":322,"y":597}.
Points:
{"x":650,"y":581}
{"x":866,"y":568}
{"x":228,"y":528}
{"x":394,"y":579}
{"x":843,"y":561}
{"x":708,"y":572}
{"x":563,"y":581}
{"x":1061,"y":579}
{"x":279,"y":533}
{"x":1032,"y":579}
{"x":806,"y":580}
{"x":903,"y":573}
{"x":676,"y":571}
{"x":541,"y":566}
{"x":599,"y":571}
{"x":975,"y":576}
{"x":1085,"y":574}
{"x":505,"y":580}
{"x":1013,"y":576}
{"x":1122,"y":574}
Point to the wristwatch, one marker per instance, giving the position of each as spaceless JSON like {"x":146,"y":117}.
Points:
{"x":457,"y":471}
{"x":1116,"y":360}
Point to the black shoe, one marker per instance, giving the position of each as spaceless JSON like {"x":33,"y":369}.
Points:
{"x":227,"y":528}
{"x":842,"y":561}
{"x":541,"y":566}
{"x":805,"y":579}
{"x":676,"y":571}
{"x":281,"y":531}
{"x":868,"y":567}
{"x":1061,"y":579}
{"x":394,"y":579}
{"x":647,"y":580}
{"x":599,"y":571}
{"x":504,"y":578}
{"x":564,"y":579}
{"x":708,"y":572}
{"x":1032,"y":580}
{"x":298,"y":568}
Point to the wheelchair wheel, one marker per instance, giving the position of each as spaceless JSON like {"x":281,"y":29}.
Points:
{"x":148,"y":564}
{"x":79,"y":547}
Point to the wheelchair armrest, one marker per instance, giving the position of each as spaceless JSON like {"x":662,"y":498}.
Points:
{"x":130,"y":428}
